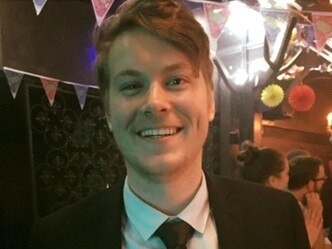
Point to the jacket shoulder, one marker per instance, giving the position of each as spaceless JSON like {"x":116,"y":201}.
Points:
{"x":77,"y":225}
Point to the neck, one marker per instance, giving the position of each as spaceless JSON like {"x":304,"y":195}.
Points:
{"x":169,"y":195}
{"x":299,"y":194}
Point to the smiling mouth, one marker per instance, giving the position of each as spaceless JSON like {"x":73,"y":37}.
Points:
{"x":158,"y":133}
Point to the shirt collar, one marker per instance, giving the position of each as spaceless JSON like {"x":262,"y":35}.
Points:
{"x":147,"y":219}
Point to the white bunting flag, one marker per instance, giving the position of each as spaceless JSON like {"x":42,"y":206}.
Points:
{"x":39,"y":4}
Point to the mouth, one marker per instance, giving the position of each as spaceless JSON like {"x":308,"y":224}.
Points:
{"x":159,"y":132}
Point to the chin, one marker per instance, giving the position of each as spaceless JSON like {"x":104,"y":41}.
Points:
{"x":158,"y":167}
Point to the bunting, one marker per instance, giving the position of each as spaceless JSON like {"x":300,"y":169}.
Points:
{"x":101,"y":7}
{"x":275,"y":25}
{"x":50,"y":87}
{"x":81,"y":92}
{"x":305,"y":32}
{"x":217,"y":16}
{"x":14,"y":78}
{"x":14,"y":81}
{"x":322,"y":23}
{"x":39,"y":4}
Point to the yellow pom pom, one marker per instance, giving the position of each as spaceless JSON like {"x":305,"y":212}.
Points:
{"x":272,"y":95}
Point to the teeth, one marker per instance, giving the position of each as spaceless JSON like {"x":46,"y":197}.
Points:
{"x":158,"y":132}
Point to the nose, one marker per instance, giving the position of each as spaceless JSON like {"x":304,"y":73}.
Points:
{"x":157,"y":100}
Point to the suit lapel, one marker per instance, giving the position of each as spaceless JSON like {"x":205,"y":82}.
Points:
{"x":227,"y":214}
{"x":108,"y":222}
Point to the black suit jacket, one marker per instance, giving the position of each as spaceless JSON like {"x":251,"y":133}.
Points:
{"x":247,"y":216}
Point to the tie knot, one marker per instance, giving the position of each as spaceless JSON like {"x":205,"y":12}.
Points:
{"x":175,"y":234}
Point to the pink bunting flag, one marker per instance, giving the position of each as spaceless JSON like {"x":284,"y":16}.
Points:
{"x":322,"y":23}
{"x":14,"y":80}
{"x":50,"y":87}
{"x":81,"y":92}
{"x":216,"y":15}
{"x":39,"y":4}
{"x":101,"y":7}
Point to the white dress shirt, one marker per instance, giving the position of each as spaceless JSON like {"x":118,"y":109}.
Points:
{"x":141,"y":220}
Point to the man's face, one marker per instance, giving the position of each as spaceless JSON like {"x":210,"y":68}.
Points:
{"x":158,"y":110}
{"x":320,"y":179}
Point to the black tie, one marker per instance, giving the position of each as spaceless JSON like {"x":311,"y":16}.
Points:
{"x":175,"y":234}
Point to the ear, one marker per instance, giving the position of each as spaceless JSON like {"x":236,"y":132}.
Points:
{"x":310,"y":186}
{"x":107,"y":114}
{"x":212,"y":106}
{"x":108,"y":119}
{"x":271,"y":181}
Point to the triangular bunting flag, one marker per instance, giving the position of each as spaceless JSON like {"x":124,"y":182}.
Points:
{"x":50,"y":87}
{"x":81,"y":92}
{"x":323,"y":28}
{"x":305,"y":32}
{"x":101,"y":7}
{"x":216,"y":15}
{"x":39,"y":4}
{"x":275,"y":24}
{"x":14,"y":81}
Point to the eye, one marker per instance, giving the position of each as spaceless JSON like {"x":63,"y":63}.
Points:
{"x":175,"y":82}
{"x":131,"y":88}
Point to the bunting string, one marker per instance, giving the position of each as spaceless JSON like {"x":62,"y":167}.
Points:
{"x":50,"y":85}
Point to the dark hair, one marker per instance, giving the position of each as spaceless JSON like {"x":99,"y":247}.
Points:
{"x":296,"y":152}
{"x":260,"y":163}
{"x":303,"y":169}
{"x":169,"y":20}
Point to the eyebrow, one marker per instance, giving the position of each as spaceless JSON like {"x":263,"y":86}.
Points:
{"x":174,"y":67}
{"x":128,"y":72}
{"x":135,"y":73}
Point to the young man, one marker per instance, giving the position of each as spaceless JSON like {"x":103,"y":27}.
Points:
{"x":155,"y":77}
{"x":306,"y":179}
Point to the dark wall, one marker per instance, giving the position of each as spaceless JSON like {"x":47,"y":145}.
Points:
{"x":305,"y":130}
{"x":16,"y":212}
{"x":57,"y":43}
{"x":51,"y":156}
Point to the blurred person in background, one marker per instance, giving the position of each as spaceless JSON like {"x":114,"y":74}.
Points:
{"x":296,"y":152}
{"x":306,"y":178}
{"x":326,"y":196}
{"x":264,"y":165}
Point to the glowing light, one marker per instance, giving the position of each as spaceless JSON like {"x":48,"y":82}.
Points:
{"x":240,"y":77}
{"x":245,"y":20}
{"x":329,"y":120}
{"x":329,"y":125}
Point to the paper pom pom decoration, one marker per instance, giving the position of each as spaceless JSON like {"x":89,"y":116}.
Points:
{"x":272,"y":95}
{"x":301,"y":98}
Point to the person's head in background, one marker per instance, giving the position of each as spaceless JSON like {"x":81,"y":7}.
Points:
{"x":296,"y":152}
{"x":306,"y":174}
{"x":265,"y":166}
{"x":155,"y":76}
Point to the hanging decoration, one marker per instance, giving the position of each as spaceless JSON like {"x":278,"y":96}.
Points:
{"x":301,"y":97}
{"x":81,"y":92}
{"x":101,"y":7}
{"x":217,"y":15}
{"x":275,"y":24}
{"x":322,"y":23}
{"x":39,"y":4}
{"x":305,"y":32}
{"x":272,"y":95}
{"x":50,"y":87}
{"x":14,"y":81}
